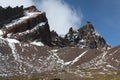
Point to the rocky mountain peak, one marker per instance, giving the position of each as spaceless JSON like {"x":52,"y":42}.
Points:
{"x":31,"y":8}
{"x":32,"y":25}
{"x":86,"y":37}
{"x":89,"y":25}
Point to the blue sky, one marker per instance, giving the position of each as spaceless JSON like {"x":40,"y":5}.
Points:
{"x":63,"y":14}
{"x":103,"y":14}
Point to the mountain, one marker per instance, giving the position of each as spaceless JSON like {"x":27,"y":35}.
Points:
{"x":33,"y":25}
{"x":28,"y":47}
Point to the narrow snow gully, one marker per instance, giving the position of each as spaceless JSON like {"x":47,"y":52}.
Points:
{"x":76,"y":59}
{"x":14,"y":51}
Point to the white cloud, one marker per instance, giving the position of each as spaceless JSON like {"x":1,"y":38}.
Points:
{"x":60,"y":15}
{"x":14,"y":3}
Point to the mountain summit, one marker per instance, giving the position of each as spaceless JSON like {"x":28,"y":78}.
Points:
{"x":86,"y":37}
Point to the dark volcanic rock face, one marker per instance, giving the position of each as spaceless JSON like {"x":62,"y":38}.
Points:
{"x":57,"y":40}
{"x":8,"y":14}
{"x":32,"y":26}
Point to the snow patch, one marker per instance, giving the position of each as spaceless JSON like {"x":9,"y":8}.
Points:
{"x":9,"y":40}
{"x":96,"y":33}
{"x":42,"y":23}
{"x":37,"y":43}
{"x":14,"y":51}
{"x":104,"y":54}
{"x":12,"y":40}
{"x":109,"y":66}
{"x":54,"y":50}
{"x":1,"y":33}
{"x":55,"y":58}
{"x":39,"y":25}
{"x":82,"y":40}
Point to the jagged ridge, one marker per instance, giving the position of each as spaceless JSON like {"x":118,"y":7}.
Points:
{"x":86,"y":37}
{"x":34,"y":26}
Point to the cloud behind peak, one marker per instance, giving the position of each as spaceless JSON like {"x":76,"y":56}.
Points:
{"x":61,"y":16}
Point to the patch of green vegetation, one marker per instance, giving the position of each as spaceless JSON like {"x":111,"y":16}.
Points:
{"x":103,"y":78}
{"x":64,"y":75}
